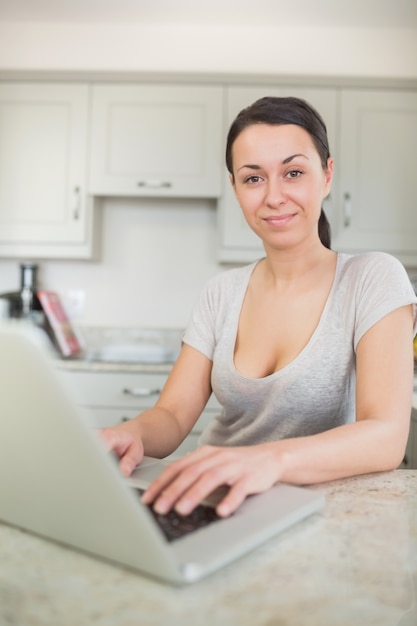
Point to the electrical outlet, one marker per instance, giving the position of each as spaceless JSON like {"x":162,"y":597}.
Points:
{"x":75,"y":303}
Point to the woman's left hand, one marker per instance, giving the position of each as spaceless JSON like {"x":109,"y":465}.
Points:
{"x":186,"y":482}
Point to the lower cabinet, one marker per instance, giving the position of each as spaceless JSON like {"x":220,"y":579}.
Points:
{"x":109,"y":398}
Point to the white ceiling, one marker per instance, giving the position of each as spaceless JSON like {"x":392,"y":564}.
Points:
{"x":368,"y":13}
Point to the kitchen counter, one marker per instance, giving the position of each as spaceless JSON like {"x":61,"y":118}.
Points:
{"x":354,"y":563}
{"x":86,"y":365}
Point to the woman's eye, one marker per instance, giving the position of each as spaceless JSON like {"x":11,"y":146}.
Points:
{"x":294,"y":174}
{"x":252,"y":179}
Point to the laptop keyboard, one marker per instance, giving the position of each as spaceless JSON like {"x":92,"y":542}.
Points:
{"x":174,"y":525}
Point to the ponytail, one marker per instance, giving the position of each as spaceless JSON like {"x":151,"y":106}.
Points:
{"x":324,"y":230}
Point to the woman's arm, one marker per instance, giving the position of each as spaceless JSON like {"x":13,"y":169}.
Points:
{"x":384,"y":387}
{"x":160,"y":430}
{"x":375,"y":442}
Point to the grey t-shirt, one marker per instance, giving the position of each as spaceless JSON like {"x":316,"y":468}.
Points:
{"x":316,"y":391}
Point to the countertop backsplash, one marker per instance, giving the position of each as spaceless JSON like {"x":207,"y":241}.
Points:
{"x":130,"y":345}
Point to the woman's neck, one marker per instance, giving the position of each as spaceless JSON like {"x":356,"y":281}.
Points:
{"x":284,"y":268}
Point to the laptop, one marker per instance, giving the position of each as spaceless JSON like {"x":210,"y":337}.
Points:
{"x":57,"y":481}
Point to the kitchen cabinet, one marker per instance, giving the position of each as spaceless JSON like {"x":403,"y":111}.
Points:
{"x":156,"y":140}
{"x":44,"y":207}
{"x":237,"y":241}
{"x":109,"y":398}
{"x":373,"y":137}
{"x":377,"y":172}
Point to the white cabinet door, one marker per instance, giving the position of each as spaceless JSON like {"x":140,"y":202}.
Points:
{"x":44,"y":210}
{"x":156,"y":140}
{"x":237,"y":241}
{"x":378,"y":176}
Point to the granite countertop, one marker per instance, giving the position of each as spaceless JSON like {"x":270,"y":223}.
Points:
{"x":354,"y":563}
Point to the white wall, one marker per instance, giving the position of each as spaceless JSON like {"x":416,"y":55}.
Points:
{"x":157,"y":255}
{"x":157,"y":47}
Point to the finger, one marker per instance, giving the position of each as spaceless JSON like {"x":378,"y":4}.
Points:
{"x":128,"y":450}
{"x":131,"y":459}
{"x":114,"y":440}
{"x":236,"y":495}
{"x":165,"y":483}
{"x":106,"y":437}
{"x":195,"y":483}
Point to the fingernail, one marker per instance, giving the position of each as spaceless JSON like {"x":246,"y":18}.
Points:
{"x":145,"y":497}
{"x":223,"y":510}
{"x":126,"y":468}
{"x":184,"y":507}
{"x":161,"y":506}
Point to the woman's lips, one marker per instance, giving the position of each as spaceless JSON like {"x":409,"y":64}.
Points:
{"x":279,"y":220}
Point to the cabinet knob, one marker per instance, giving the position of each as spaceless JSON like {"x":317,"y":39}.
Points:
{"x":140,"y":392}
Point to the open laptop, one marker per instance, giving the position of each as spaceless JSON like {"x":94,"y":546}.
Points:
{"x":57,"y":481}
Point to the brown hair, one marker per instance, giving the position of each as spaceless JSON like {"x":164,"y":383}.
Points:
{"x":289,"y":110}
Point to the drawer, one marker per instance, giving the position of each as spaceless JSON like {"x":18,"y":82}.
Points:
{"x":103,"y":417}
{"x":106,"y":399}
{"x":115,"y":389}
{"x":118,"y":389}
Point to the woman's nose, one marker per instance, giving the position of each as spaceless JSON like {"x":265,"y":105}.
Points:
{"x":275,"y":193}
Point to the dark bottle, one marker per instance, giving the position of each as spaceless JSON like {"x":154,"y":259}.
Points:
{"x":29,"y":302}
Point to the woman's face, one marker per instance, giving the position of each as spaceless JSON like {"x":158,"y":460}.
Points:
{"x":279,"y":182}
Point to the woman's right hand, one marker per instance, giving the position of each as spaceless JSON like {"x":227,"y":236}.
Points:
{"x":124,"y":443}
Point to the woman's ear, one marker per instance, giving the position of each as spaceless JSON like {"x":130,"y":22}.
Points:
{"x":232,"y":182}
{"x":328,"y":176}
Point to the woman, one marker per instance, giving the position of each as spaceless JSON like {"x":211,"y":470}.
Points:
{"x":309,"y":352}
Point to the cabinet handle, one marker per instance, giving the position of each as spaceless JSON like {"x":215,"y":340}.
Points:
{"x":76,"y":203}
{"x":347,"y":209}
{"x":155,"y":184}
{"x":141,"y":391}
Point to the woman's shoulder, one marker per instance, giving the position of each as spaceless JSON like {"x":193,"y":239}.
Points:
{"x":229,"y":278}
{"x":374,"y":261}
{"x":378,"y":273}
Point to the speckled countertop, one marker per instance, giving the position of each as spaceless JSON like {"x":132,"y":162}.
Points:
{"x":354,"y":563}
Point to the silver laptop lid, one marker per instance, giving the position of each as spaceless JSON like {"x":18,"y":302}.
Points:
{"x":57,"y":481}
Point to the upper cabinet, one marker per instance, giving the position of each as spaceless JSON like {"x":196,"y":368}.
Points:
{"x":238,"y":243}
{"x":156,"y":140}
{"x":377,"y":173}
{"x":61,"y":144}
{"x":44,"y":208}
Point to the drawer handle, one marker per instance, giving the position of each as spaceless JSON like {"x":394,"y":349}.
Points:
{"x":76,"y":203}
{"x":155,"y":184}
{"x":140,"y":392}
{"x":347,"y":210}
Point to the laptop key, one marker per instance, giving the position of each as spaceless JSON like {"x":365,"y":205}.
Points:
{"x":174,"y":525}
